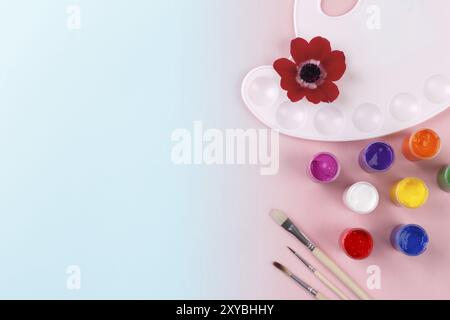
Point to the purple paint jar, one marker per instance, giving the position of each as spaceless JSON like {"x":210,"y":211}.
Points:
{"x":377,"y":157}
{"x":324,"y":168}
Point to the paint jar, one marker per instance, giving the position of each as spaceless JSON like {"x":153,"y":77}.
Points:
{"x":444,"y":178}
{"x":410,"y":193}
{"x":362,"y":198}
{"x":324,"y":168}
{"x":377,"y":157}
{"x":357,"y":243}
{"x":424,"y":144}
{"x":410,"y":239}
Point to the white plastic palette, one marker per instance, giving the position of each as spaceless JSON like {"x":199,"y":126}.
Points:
{"x":398,"y":71}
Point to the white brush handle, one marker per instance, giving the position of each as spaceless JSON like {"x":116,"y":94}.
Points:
{"x":331,"y":286}
{"x":320,"y":296}
{"x":340,"y":274}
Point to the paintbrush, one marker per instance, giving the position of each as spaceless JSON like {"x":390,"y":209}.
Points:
{"x":303,"y":284}
{"x":321,"y":277}
{"x":281,"y":219}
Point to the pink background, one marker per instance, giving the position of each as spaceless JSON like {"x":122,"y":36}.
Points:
{"x":319,"y":209}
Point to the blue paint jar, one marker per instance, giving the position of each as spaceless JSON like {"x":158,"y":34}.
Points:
{"x":377,"y":157}
{"x":410,"y":239}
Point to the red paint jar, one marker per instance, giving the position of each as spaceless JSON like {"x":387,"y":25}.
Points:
{"x":357,"y":243}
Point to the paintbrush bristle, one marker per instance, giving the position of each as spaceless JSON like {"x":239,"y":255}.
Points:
{"x":278,"y":216}
{"x":292,"y":250}
{"x":282,"y":268}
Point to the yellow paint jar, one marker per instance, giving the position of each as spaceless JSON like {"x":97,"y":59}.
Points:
{"x":410,"y":193}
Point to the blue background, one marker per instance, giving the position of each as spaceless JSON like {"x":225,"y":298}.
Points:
{"x":85,"y":124}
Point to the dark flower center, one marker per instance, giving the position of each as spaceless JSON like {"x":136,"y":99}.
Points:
{"x":310,"y":73}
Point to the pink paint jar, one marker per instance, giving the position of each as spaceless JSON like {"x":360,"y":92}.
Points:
{"x":324,"y":168}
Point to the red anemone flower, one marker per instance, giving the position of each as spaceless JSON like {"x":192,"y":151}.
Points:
{"x":313,"y":71}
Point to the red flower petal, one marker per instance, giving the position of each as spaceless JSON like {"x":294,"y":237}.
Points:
{"x":299,"y":50}
{"x":319,"y":48}
{"x":290,"y":83}
{"x":285,"y":67}
{"x":335,"y":65}
{"x":296,"y":95}
{"x":330,"y":91}
{"x":315,"y":96}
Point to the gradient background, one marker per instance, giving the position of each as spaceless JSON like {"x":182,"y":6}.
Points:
{"x":86,"y":178}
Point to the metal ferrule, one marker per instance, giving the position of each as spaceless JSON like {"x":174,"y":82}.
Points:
{"x":306,"y":286}
{"x":289,"y":226}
